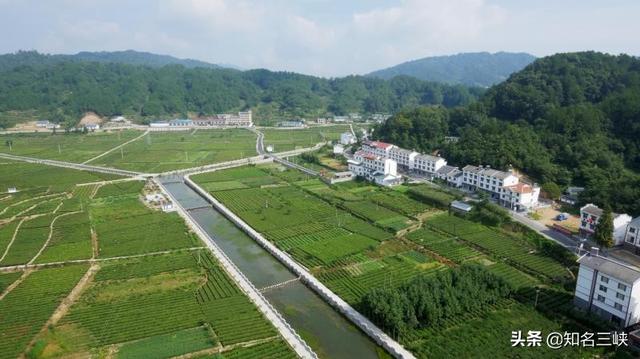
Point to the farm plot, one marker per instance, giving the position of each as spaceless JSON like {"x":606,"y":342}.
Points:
{"x":397,"y":202}
{"x":164,"y":151}
{"x":332,"y":248}
{"x":166,"y":305}
{"x":70,"y":239}
{"x":274,"y":349}
{"x":379,"y":215}
{"x":71,"y":147}
{"x":514,"y":250}
{"x":24,"y":311}
{"x":31,"y":236}
{"x":444,"y":246}
{"x":6,"y":279}
{"x":291,"y":139}
{"x":118,"y":222}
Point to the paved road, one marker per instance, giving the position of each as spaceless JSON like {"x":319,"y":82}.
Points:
{"x":561,"y":239}
{"x":77,"y":166}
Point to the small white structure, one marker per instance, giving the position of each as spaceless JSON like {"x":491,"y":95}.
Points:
{"x":461,"y":207}
{"x":340,"y":119}
{"x":341,"y":177}
{"x":270,"y":148}
{"x":92,"y":126}
{"x":118,"y":119}
{"x":168,"y":207}
{"x":42,"y":123}
{"x":590,"y":215}
{"x":404,"y":158}
{"x":347,"y":138}
{"x":159,"y":124}
{"x":292,"y":123}
{"x":322,"y":120}
{"x":608,"y":289}
{"x":52,"y":126}
{"x":428,"y":164}
{"x":338,"y":149}
{"x":12,"y":190}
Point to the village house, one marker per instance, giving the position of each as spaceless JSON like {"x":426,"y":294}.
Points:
{"x":590,"y":216}
{"x":347,"y":138}
{"x":452,"y":175}
{"x":377,"y":148}
{"x":378,"y":169}
{"x":428,"y":164}
{"x":292,"y":123}
{"x":180,"y":122}
{"x":520,"y":196}
{"x":609,"y":289}
{"x":404,"y":158}
{"x":242,"y":119}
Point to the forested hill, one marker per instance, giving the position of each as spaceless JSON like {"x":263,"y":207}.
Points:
{"x":62,"y":91}
{"x":567,"y":119}
{"x":128,"y":57}
{"x":472,"y":69}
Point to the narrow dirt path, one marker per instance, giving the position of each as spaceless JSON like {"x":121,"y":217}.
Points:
{"x":16,"y":283}
{"x":220,"y":349}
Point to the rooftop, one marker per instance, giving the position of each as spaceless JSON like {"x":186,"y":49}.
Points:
{"x":461,"y":206}
{"x":428,"y":157}
{"x":378,"y":144}
{"x":446,"y":170}
{"x":610,"y":267}
{"x":487,"y":171}
{"x":520,"y":188}
{"x":635,"y":222}
{"x":591,"y":209}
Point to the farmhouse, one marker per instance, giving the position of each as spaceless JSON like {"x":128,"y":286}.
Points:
{"x":42,"y":123}
{"x":341,"y":177}
{"x":428,"y":164}
{"x":404,"y":158}
{"x":378,"y":169}
{"x":292,"y":123}
{"x":377,"y":148}
{"x":338,"y":149}
{"x":590,"y":215}
{"x":159,"y":124}
{"x":92,"y":126}
{"x":12,"y":190}
{"x":347,"y":138}
{"x":452,"y":175}
{"x":608,"y":289}
{"x":461,"y":207}
{"x":520,"y":196}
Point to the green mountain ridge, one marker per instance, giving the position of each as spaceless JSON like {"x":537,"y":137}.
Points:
{"x":471,"y":69}
{"x":566,"y":119}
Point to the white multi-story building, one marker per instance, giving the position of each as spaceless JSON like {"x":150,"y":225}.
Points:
{"x":347,"y":138}
{"x":608,"y":289}
{"x":452,"y":175}
{"x":378,"y":169}
{"x":428,"y":164}
{"x":404,"y":158}
{"x":590,"y":215}
{"x":242,"y":119}
{"x":520,"y":196}
{"x":632,"y":235}
{"x":377,"y":148}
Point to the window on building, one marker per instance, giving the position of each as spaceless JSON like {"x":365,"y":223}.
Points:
{"x":622,"y":287}
{"x":632,"y":230}
{"x":620,"y":296}
{"x":600,"y":298}
{"x":604,"y":279}
{"x":585,"y":215}
{"x":618,"y":306}
{"x":631,"y":239}
{"x":603,"y":288}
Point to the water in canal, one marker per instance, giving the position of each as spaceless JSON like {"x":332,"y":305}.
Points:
{"x":324,"y":329}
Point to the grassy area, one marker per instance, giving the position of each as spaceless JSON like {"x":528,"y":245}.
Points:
{"x":291,"y":139}
{"x":71,"y":147}
{"x":164,"y":151}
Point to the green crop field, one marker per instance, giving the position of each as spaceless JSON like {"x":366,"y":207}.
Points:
{"x":291,"y":139}
{"x":71,"y":147}
{"x":164,"y":151}
{"x":151,"y":305}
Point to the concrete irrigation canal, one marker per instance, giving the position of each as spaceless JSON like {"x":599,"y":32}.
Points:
{"x":328,"y":333}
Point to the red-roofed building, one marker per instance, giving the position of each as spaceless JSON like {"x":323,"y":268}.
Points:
{"x":520,"y":196}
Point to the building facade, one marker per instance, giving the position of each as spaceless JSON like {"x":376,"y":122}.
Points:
{"x":404,"y":158}
{"x":381,"y":170}
{"x":590,"y":216}
{"x":632,"y":236}
{"x":242,"y":119}
{"x":608,"y":289}
{"x":347,"y":138}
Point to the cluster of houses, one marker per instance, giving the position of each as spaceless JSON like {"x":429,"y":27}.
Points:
{"x":625,"y":228}
{"x":241,"y":119}
{"x":47,"y":124}
{"x":379,"y":162}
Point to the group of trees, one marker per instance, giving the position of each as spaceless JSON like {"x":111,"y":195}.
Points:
{"x":567,"y":119}
{"x":431,"y":300}
{"x":65,"y":89}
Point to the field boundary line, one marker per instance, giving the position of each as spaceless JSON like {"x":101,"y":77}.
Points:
{"x":221,"y":349}
{"x":13,"y":238}
{"x":27,"y":200}
{"x":53,"y":222}
{"x":75,"y":166}
{"x":20,"y":267}
{"x":115,"y":148}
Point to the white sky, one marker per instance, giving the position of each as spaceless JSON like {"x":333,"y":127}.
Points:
{"x":319,"y":37}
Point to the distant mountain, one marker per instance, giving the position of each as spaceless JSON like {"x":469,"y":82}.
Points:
{"x":128,"y":57}
{"x":472,"y":69}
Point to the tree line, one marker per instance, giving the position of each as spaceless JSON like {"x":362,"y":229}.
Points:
{"x":63,"y":90}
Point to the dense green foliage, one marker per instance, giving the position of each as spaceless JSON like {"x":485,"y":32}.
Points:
{"x":568,"y":119}
{"x":604,"y":230}
{"x":62,"y":90}
{"x":472,"y":69}
{"x":426,"y":301}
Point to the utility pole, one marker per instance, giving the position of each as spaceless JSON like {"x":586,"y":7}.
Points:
{"x":59,"y":149}
{"x":121,"y":153}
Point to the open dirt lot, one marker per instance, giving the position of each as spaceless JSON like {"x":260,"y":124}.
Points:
{"x":548,"y":217}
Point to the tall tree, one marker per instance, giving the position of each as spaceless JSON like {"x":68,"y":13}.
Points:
{"x":604,"y":230}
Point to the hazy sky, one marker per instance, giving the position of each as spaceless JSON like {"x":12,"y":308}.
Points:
{"x":321,"y":37}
